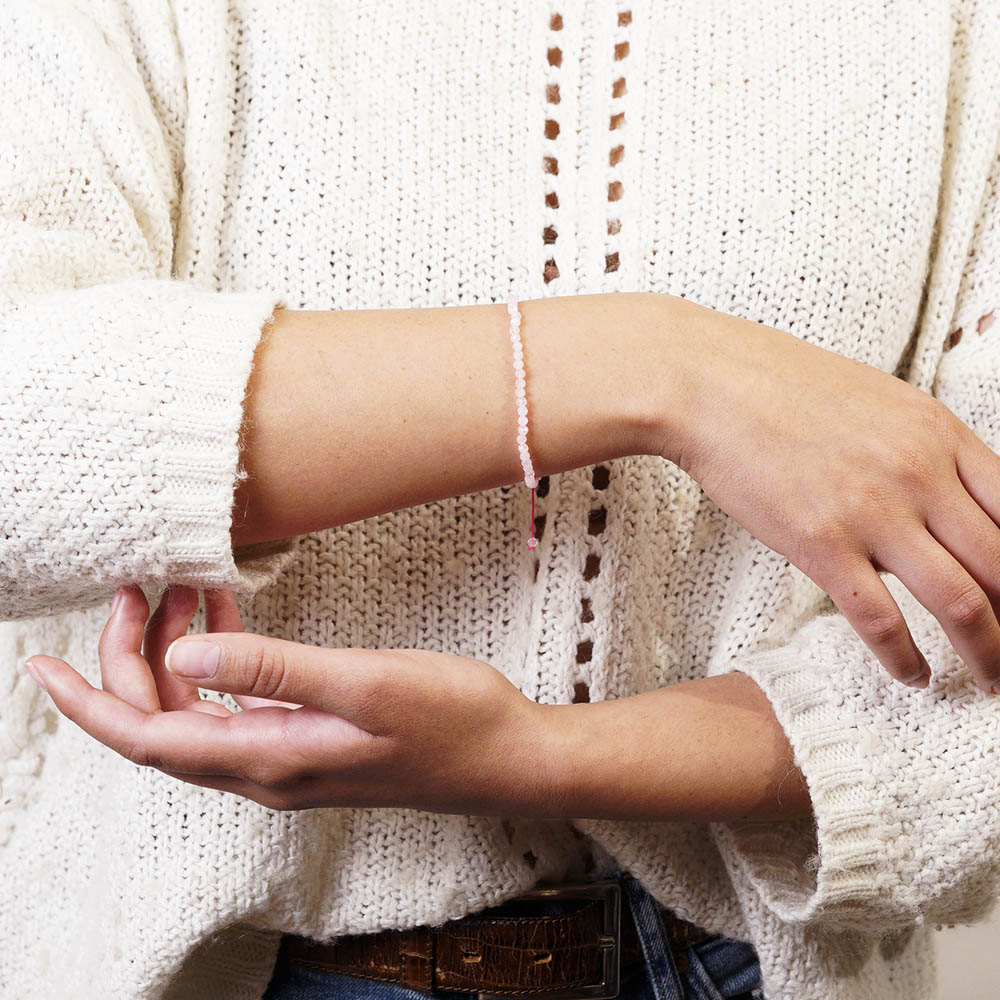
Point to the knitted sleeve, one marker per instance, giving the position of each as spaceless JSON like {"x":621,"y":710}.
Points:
{"x":905,"y":784}
{"x":121,"y":385}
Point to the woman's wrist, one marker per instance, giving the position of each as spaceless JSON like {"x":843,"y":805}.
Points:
{"x":350,"y":414}
{"x":709,"y":749}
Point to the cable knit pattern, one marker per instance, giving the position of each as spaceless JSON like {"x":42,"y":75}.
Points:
{"x":171,"y":172}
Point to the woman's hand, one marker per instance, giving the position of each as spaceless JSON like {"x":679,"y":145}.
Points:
{"x":353,"y":727}
{"x":848,"y":471}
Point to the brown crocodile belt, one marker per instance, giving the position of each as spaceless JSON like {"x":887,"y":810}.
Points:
{"x":578,"y":954}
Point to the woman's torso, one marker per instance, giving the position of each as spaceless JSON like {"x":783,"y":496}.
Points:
{"x":777,"y":162}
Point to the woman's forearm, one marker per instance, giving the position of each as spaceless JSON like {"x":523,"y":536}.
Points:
{"x":709,"y":749}
{"x":350,"y":414}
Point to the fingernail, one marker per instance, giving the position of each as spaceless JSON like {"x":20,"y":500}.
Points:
{"x":35,"y":674}
{"x":193,"y":657}
{"x":923,"y":677}
{"x":119,"y":594}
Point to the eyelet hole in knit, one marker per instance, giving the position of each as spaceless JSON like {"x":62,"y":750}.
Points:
{"x":982,"y":325}
{"x":581,"y":693}
{"x":539,"y":523}
{"x":597,"y":520}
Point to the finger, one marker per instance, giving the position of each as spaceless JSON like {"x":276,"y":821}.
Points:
{"x":208,"y":707}
{"x":223,"y":615}
{"x":314,"y":792}
{"x":873,"y":613}
{"x":124,"y":672}
{"x":235,"y":786}
{"x":247,"y":745}
{"x":347,"y":682}
{"x":978,"y":469}
{"x":171,"y":619}
{"x":972,"y":537}
{"x":249,"y":701}
{"x":943,"y":586}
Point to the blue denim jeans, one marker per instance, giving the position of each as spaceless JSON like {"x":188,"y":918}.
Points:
{"x":716,"y":968}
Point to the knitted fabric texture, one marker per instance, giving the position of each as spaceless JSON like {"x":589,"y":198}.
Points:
{"x":171,"y":172}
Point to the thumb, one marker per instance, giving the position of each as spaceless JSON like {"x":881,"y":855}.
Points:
{"x":337,"y":680}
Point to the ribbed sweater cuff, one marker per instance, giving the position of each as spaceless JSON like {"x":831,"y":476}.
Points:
{"x":122,"y":406}
{"x":199,"y":461}
{"x":839,"y":866}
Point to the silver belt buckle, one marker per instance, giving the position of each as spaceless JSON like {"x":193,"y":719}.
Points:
{"x":609,"y":893}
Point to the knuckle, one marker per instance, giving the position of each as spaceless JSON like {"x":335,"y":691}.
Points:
{"x":912,"y":466}
{"x":264,"y":668}
{"x":938,"y":420}
{"x":137,"y":753}
{"x":370,"y":697}
{"x":274,"y":775}
{"x":822,"y":531}
{"x":839,"y":579}
{"x":969,"y":608}
{"x":884,"y":628}
{"x":936,"y":435}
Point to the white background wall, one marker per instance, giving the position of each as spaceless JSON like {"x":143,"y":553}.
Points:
{"x":968,"y":961}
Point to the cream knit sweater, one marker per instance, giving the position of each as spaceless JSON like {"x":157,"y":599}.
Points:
{"x":172,"y":170}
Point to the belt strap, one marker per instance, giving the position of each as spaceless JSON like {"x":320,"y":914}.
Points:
{"x":501,"y":955}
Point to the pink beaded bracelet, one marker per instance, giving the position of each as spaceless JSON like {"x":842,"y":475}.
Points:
{"x":522,"y":410}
